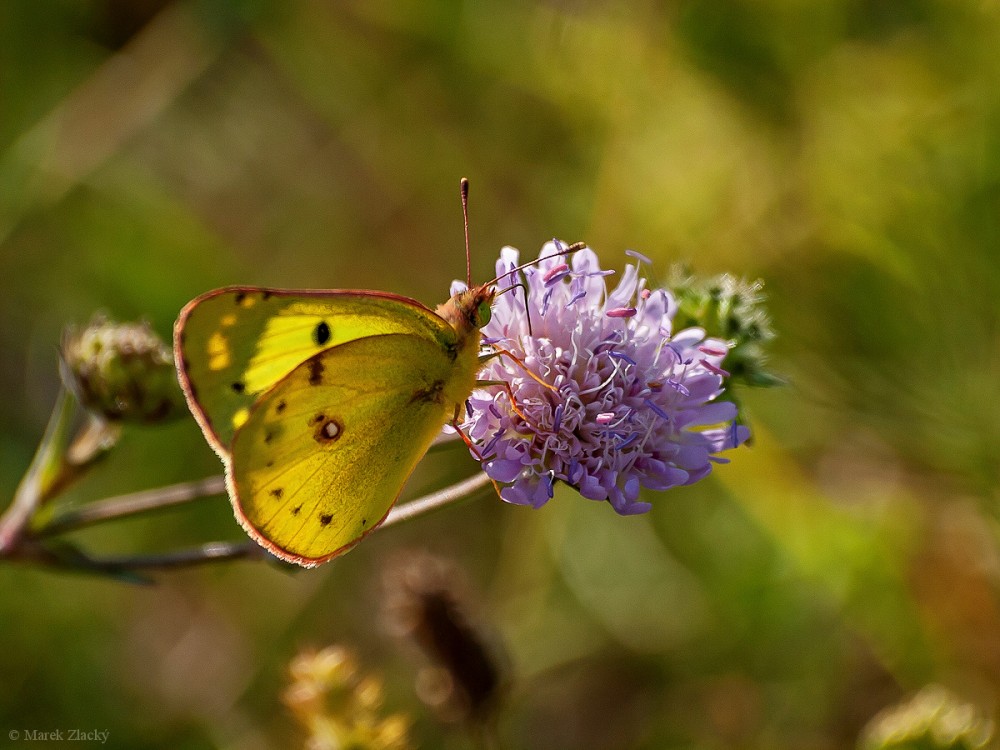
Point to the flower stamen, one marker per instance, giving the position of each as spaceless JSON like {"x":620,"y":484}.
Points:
{"x":713,"y":368}
{"x":621,"y":356}
{"x":656,"y":409}
{"x":555,"y":274}
{"x":621,"y":312}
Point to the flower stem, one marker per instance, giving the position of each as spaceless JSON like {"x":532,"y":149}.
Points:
{"x":133,"y":503}
{"x":183,"y":558}
{"x":436,"y":500}
{"x":33,"y":489}
{"x":68,"y":556}
{"x":124,"y":505}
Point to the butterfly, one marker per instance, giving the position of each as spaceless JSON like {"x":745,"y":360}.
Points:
{"x":321,"y":403}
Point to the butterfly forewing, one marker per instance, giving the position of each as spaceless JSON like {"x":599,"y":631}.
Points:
{"x":233,"y":345}
{"x":324,"y":453}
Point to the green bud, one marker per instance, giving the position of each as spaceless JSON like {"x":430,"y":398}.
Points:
{"x":933,"y":719}
{"x":731,"y":309}
{"x":121,"y":371}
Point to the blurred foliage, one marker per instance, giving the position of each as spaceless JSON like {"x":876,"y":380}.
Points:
{"x":933,"y":719}
{"x":846,"y":152}
{"x":340,"y":707}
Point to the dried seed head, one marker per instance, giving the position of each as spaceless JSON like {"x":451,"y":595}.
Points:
{"x":121,"y":371}
{"x":425,"y":602}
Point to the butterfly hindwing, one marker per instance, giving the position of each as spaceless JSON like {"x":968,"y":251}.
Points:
{"x":232,"y":345}
{"x":323,"y":455}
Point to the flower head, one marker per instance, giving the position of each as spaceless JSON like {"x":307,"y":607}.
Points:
{"x":615,"y":401}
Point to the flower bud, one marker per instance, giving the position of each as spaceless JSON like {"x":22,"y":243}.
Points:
{"x":121,"y":371}
{"x":731,"y":309}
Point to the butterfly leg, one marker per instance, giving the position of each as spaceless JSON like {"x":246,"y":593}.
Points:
{"x":510,"y":394}
{"x":500,"y":352}
{"x":472,"y":447}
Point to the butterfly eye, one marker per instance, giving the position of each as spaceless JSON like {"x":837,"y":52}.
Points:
{"x":484,"y":312}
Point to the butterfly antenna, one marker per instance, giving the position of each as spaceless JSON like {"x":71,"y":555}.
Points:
{"x":524,"y":290}
{"x":568,"y":250}
{"x":523,"y":286}
{"x":465,"y":218}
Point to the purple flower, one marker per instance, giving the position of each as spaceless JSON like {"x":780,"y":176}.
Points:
{"x":632,"y":403}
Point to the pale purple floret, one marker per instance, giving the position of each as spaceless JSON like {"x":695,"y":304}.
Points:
{"x":635,"y":405}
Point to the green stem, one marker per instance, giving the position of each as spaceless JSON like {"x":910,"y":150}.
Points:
{"x":33,"y":489}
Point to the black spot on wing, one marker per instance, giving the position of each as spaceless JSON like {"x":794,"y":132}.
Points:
{"x":296,"y":510}
{"x":321,"y":333}
{"x":280,"y":406}
{"x":277,"y":492}
{"x":327,"y":430}
{"x":240,"y":296}
{"x":239,"y":387}
{"x":325,"y":519}
{"x":315,"y":371}
{"x":266,"y":295}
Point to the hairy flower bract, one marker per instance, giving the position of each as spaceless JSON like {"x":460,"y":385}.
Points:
{"x":615,"y":401}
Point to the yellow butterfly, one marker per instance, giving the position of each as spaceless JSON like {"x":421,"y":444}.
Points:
{"x":321,"y":403}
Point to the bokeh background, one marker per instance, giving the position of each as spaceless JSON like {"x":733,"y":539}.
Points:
{"x":845,"y":152}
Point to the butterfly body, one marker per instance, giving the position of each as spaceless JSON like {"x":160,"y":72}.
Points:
{"x":321,"y":403}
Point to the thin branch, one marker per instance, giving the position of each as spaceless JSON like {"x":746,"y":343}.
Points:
{"x":126,"y":568}
{"x":220,"y":551}
{"x":436,"y":500}
{"x":124,"y":505}
{"x":185,"y":558}
{"x":133,"y":503}
{"x":69,"y":556}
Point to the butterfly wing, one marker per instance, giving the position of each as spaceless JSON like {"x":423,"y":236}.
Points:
{"x":325,"y":452}
{"x":232,"y":345}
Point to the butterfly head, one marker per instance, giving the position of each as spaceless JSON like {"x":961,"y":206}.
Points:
{"x":470,"y":309}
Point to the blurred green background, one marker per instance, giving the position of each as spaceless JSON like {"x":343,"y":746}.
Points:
{"x":846,"y":152}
